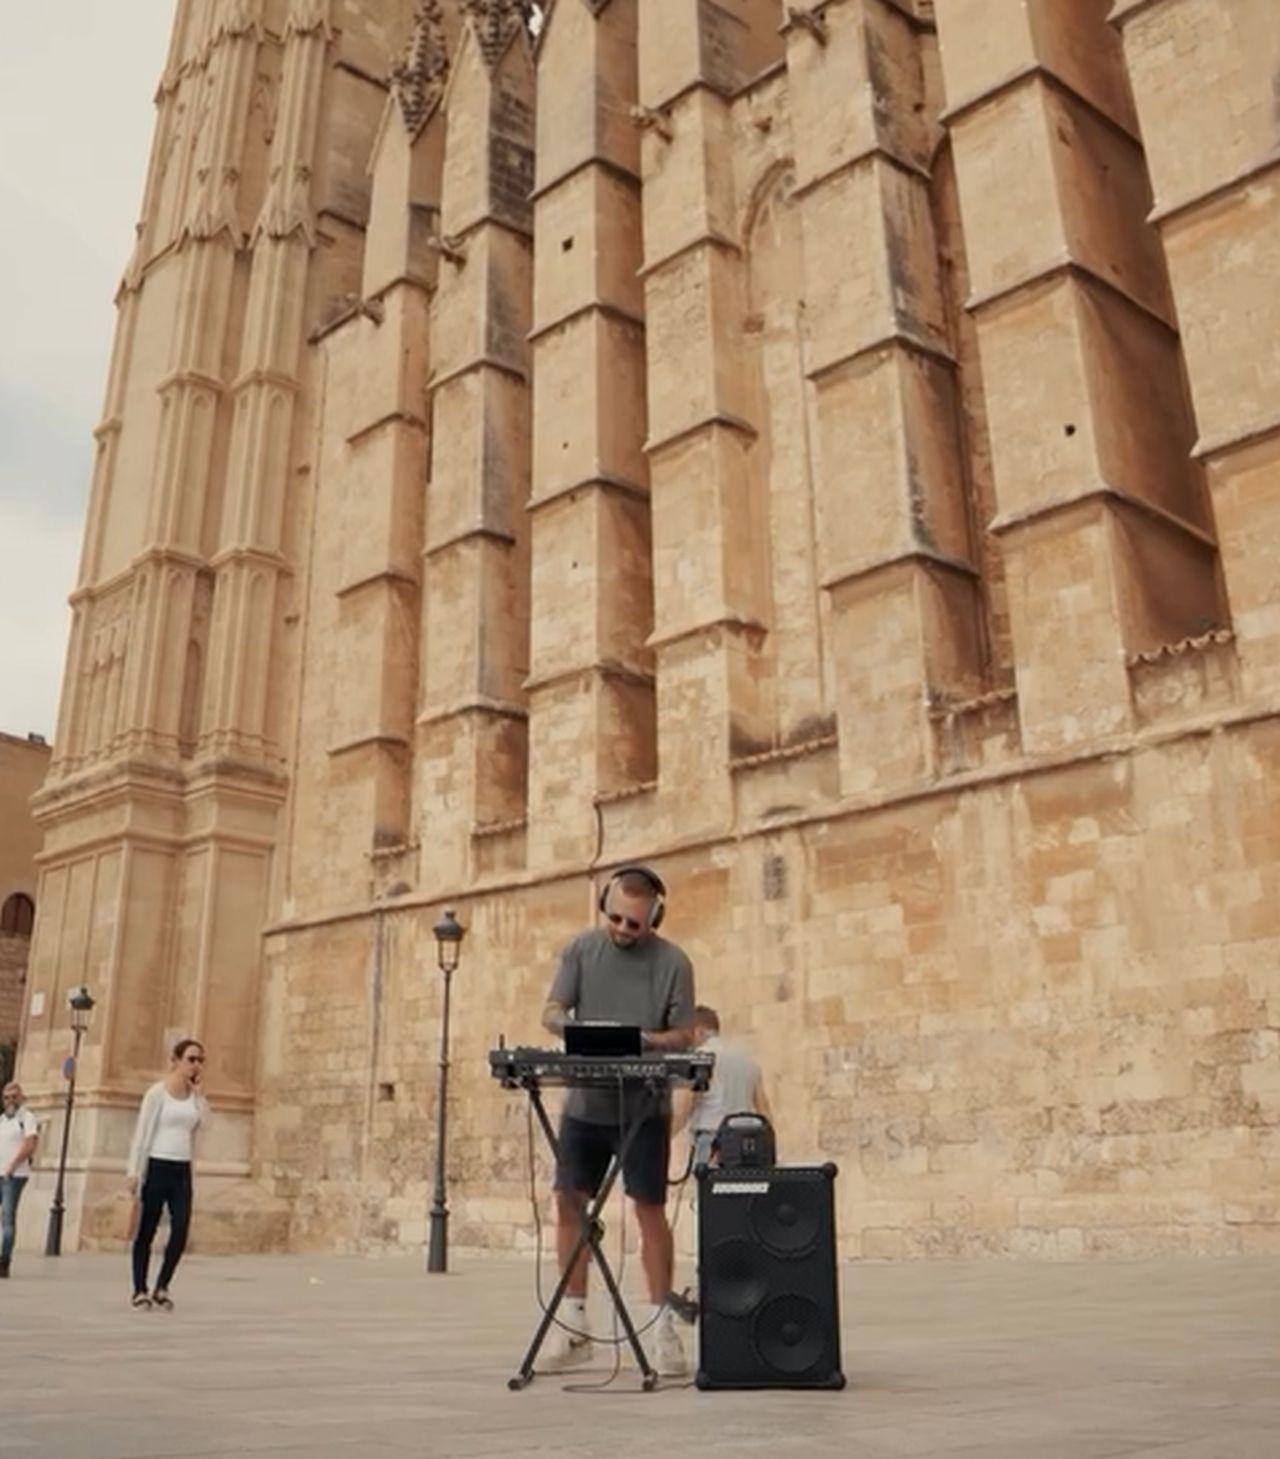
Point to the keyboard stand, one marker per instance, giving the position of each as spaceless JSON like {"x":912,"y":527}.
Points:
{"x":590,"y":1239}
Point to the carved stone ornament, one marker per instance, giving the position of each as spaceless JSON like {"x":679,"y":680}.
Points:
{"x":286,"y":210}
{"x":495,"y":22}
{"x":237,"y":18}
{"x":418,"y":80}
{"x":307,"y":17}
{"x":213,"y":207}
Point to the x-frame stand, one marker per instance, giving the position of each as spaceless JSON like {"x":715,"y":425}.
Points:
{"x":590,"y":1238}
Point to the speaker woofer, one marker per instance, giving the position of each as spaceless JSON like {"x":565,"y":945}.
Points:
{"x":788,"y":1219}
{"x":738,"y":1284}
{"x":790,"y":1334}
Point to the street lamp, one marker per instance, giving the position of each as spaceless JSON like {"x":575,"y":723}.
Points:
{"x":449,"y":934}
{"x":80,"y":1002}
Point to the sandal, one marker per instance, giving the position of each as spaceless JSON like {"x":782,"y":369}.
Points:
{"x":162,"y":1299}
{"x":141,"y":1301}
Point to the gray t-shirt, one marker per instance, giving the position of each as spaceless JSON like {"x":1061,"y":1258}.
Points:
{"x":649,"y":984}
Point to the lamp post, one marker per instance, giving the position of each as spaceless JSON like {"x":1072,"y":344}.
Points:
{"x":80,"y":1002}
{"x":449,"y":934}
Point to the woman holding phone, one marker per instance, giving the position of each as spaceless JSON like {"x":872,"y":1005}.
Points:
{"x":159,"y":1169}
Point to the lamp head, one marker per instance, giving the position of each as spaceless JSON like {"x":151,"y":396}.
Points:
{"x":449,"y":933}
{"x":81,"y":1003}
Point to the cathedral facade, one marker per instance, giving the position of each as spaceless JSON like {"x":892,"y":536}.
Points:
{"x":828,"y":451}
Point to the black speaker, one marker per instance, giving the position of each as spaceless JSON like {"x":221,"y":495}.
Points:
{"x":769,"y":1310}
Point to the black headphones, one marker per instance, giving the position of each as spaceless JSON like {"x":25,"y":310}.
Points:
{"x":659,"y":908}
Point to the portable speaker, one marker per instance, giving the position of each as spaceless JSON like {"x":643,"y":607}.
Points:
{"x":769,"y":1307}
{"x":745,"y":1139}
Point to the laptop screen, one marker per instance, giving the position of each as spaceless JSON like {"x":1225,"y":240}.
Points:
{"x":602,"y":1040}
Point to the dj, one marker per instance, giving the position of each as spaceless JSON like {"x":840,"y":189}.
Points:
{"x":622,"y":973}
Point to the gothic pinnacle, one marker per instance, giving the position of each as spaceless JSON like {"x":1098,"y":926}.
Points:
{"x":495,"y":22}
{"x":418,"y":80}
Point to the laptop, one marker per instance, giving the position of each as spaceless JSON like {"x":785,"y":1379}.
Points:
{"x":599,"y":1040}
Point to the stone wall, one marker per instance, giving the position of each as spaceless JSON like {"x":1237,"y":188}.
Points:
{"x":1032,"y":1014}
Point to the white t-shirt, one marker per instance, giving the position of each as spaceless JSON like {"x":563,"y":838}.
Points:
{"x":174,"y":1128}
{"x":734,"y":1082}
{"x":14,"y":1129}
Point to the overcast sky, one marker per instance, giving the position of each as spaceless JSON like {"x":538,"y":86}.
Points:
{"x":76,"y":85}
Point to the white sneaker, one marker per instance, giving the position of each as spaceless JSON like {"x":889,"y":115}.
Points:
{"x":568,"y":1350}
{"x":667,"y":1353}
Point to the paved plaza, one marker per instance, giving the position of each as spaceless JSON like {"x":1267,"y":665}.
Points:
{"x":324,"y":1357}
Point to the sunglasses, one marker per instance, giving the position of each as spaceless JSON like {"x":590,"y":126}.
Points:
{"x":629,"y":923}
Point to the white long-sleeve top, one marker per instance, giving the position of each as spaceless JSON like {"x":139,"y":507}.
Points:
{"x":144,"y":1132}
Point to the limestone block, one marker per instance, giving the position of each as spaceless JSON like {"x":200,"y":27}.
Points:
{"x":378,"y":369}
{"x":1197,"y":136}
{"x":382,"y":483}
{"x":488,"y":169}
{"x":481,"y":308}
{"x":986,"y":42}
{"x":342,"y":182}
{"x":688,"y":178}
{"x":405,"y":171}
{"x":1142,"y":431}
{"x":1222,"y":261}
{"x":1040,"y":405}
{"x":1070,"y":663}
{"x":480,"y":453}
{"x":589,"y":402}
{"x":587,"y":247}
{"x":720,"y":43}
{"x":587,"y":72}
{"x":1166,"y":585}
{"x":378,"y":623}
{"x":891,"y":480}
{"x":564,"y":584}
{"x":1009,"y":136}
{"x":708,"y":688}
{"x":888,"y":284}
{"x":1105,"y":196}
{"x":1246,"y":502}
{"x":473,"y":584}
{"x":694,"y":312}
{"x":1007,"y":45}
{"x":590,"y":558}
{"x":861,"y":90}
{"x":705,"y":542}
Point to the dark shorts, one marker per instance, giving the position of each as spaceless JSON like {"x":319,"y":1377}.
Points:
{"x":586,"y":1148}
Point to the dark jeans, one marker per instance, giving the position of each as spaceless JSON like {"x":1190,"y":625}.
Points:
{"x":11,"y":1188}
{"x":167,"y":1183}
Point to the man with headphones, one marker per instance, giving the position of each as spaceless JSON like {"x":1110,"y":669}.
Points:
{"x":625,"y":973}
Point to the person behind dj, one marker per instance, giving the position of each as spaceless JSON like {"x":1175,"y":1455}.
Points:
{"x":623,"y":972}
{"x":737,"y":1086}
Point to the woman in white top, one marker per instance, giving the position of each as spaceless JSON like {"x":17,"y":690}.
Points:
{"x":160,"y":1162}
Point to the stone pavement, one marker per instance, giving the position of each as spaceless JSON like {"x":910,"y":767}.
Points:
{"x":321,"y":1356}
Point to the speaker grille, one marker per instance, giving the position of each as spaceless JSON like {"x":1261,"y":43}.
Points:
{"x":738,"y":1284}
{"x":790,"y":1333}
